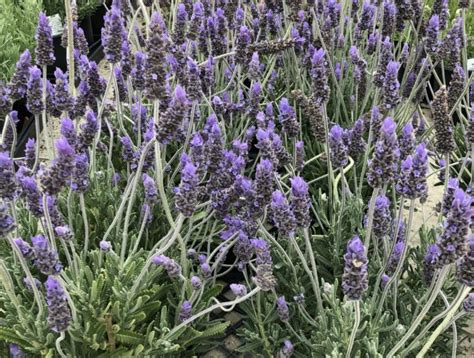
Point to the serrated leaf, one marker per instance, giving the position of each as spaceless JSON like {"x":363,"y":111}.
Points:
{"x":128,"y":337}
{"x":9,"y":335}
{"x":212,"y":292}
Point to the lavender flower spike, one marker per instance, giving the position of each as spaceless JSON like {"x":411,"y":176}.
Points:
{"x":321,"y":88}
{"x":382,"y":217}
{"x":412,"y":180}
{"x":19,"y":80}
{"x":6,"y":221}
{"x":151,"y":193}
{"x":171,"y":267}
{"x":62,"y":98}
{"x":287,"y":349}
{"x":44,"y":42}
{"x":59,"y":314}
{"x":35,"y":91}
{"x":185,"y":311}
{"x":173,"y":117}
{"x":300,"y":202}
{"x":338,"y":149}
{"x":430,"y":262}
{"x":465,"y":266}
{"x":46,"y":260}
{"x":112,"y":35}
{"x":281,"y":214}
{"x":238,"y":290}
{"x":407,"y":141}
{"x":355,"y":277}
{"x":187,"y":192}
{"x":7,"y":177}
{"x":282,"y":309}
{"x":442,"y":122}
{"x":453,"y":241}
{"x":395,"y":257}
{"x":80,"y":177}
{"x":391,"y":86}
{"x":384,"y":163}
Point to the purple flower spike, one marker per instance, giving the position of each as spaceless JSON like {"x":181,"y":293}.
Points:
{"x":321,"y":88}
{"x":355,"y":278}
{"x":35,"y":91}
{"x":357,"y":144}
{"x":80,"y":177}
{"x":456,"y":85}
{"x":238,"y":290}
{"x":395,"y":257}
{"x":453,"y":241}
{"x":105,"y":246}
{"x":68,"y":131}
{"x":338,"y":149}
{"x":407,"y":141}
{"x":412,"y":180}
{"x":185,"y":311}
{"x":7,"y":177}
{"x":59,"y":314}
{"x":465,"y":266}
{"x":196,"y":282}
{"x":382,"y":217}
{"x":46,"y":260}
{"x":31,"y":194}
{"x":391,"y":86}
{"x":138,"y":71}
{"x":389,"y":18}
{"x":174,"y":116}
{"x":18,"y":83}
{"x":299,"y":155}
{"x":281,"y":214}
{"x":25,"y":249}
{"x":54,"y":177}
{"x":282,"y":309}
{"x":468,"y":304}
{"x":287,"y":349}
{"x":264,"y":183}
{"x":430,"y":262}
{"x":44,"y":42}
{"x":187,"y":192}
{"x":432,"y":34}
{"x":171,"y":267}
{"x":62,"y":98}
{"x":288,"y":119}
{"x":6,"y":221}
{"x":384,"y":163}
{"x":88,"y":130}
{"x":442,"y":122}
{"x":155,"y":70}
{"x":16,"y":352}
{"x":151,"y":193}
{"x":300,"y":202}
{"x":112,"y":35}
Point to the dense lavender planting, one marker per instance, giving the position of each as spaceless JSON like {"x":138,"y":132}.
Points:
{"x":282,"y":144}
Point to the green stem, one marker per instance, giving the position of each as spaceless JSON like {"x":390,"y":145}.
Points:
{"x":422,"y":314}
{"x":354,"y":329}
{"x":454,"y":307}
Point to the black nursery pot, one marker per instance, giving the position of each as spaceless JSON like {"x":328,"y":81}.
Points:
{"x":25,"y":127}
{"x":92,"y":27}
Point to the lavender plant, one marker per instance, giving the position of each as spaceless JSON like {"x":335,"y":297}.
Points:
{"x":277,"y":150}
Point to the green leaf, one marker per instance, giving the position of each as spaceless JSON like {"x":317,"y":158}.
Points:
{"x":215,"y":329}
{"x":128,"y":337}
{"x":9,"y":335}
{"x":212,"y":292}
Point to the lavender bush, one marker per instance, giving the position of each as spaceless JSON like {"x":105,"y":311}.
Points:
{"x":282,"y":144}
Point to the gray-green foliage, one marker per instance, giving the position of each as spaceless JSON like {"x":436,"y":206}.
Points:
{"x":17,"y":31}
